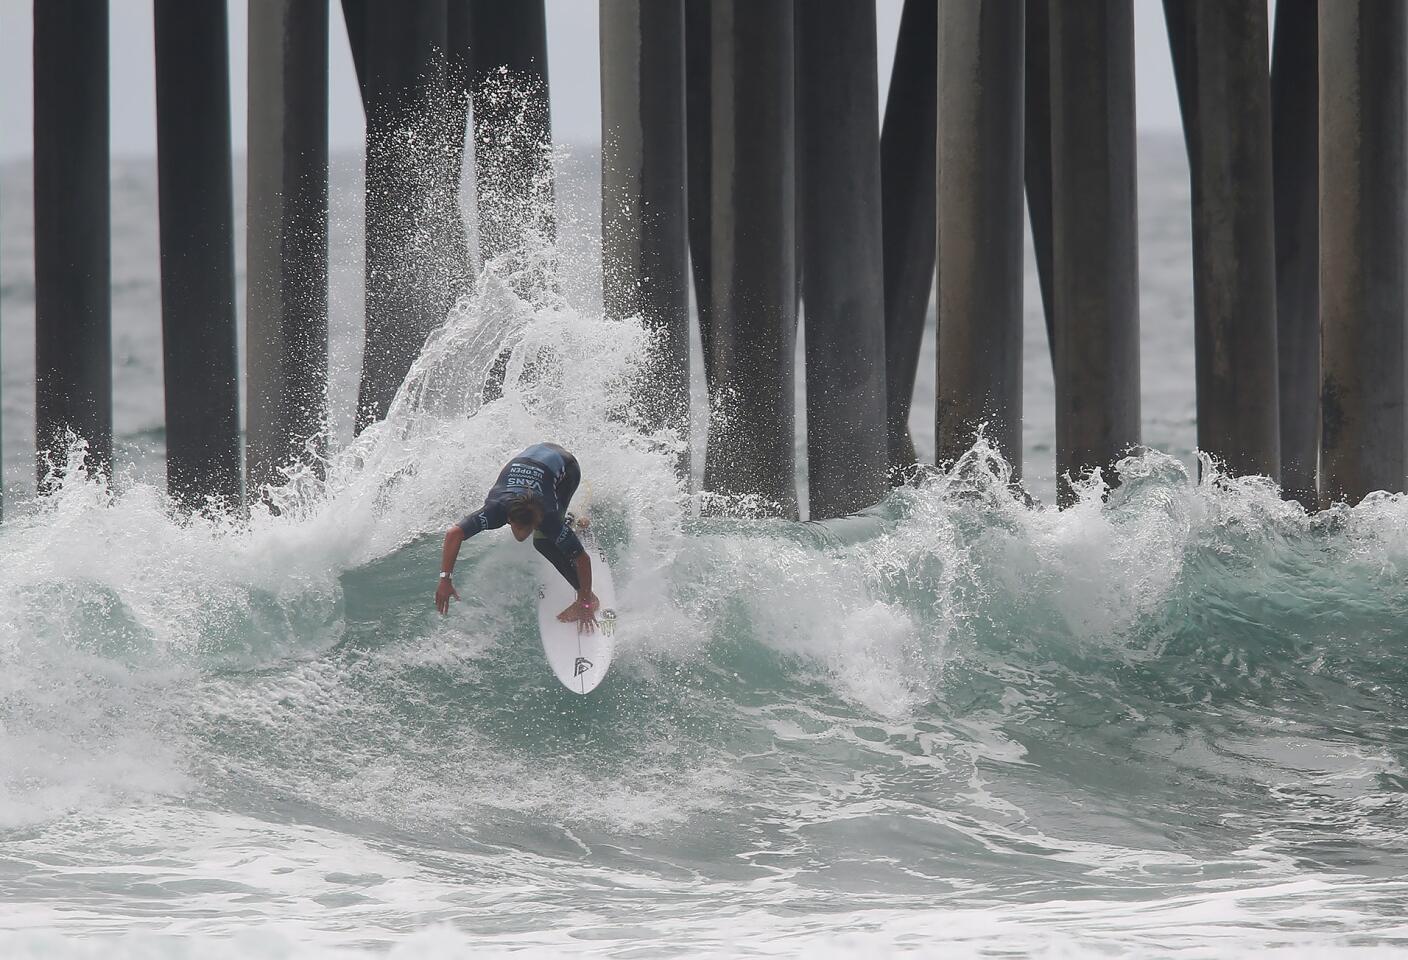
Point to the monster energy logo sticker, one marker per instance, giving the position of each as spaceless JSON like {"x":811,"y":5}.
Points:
{"x":608,"y":622}
{"x":582,"y":666}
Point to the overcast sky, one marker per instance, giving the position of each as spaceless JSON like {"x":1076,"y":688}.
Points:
{"x":572,"y":55}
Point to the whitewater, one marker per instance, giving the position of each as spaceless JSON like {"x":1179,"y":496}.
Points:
{"x":1165,"y":722}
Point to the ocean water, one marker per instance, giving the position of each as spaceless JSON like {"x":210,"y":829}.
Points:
{"x":1166,"y":723}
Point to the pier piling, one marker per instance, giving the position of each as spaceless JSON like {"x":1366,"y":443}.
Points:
{"x":644,"y":222}
{"x":1363,"y":48}
{"x":908,"y":148}
{"x":409,"y":261}
{"x":698,"y":176}
{"x":203,"y":453}
{"x":286,"y":316}
{"x":1037,"y":149}
{"x":72,"y":252}
{"x":843,"y":279}
{"x":980,"y":227}
{"x":354,"y":18}
{"x":1095,"y":264}
{"x":1220,"y":63}
{"x":459,"y":83}
{"x":512,"y":122}
{"x":753,"y":289}
{"x":1295,"y":132}
{"x":744,"y":160}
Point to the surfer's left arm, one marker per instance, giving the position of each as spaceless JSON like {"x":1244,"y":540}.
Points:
{"x":583,"y":609}
{"x":586,"y":600}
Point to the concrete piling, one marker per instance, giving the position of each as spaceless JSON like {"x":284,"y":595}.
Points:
{"x":354,"y":17}
{"x":1037,"y":148}
{"x":742,"y":135}
{"x":72,"y":252}
{"x":459,"y":79}
{"x":842,"y":239}
{"x":644,"y":222}
{"x":459,"y":84}
{"x":698,"y":176}
{"x":409,"y":261}
{"x":1295,"y":131}
{"x":1095,"y":264}
{"x":980,"y":228}
{"x":753,"y":286}
{"x":908,"y":148}
{"x":1363,"y":48}
{"x":286,"y":316}
{"x":203,"y":453}
{"x":512,"y":122}
{"x":1221,"y":67}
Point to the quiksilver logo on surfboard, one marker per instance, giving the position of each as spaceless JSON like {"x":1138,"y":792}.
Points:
{"x":581,"y":667}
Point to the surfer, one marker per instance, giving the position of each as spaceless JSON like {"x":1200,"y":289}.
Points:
{"x":531,"y":496}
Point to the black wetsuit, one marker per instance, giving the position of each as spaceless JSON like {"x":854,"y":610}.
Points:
{"x":551,"y":474}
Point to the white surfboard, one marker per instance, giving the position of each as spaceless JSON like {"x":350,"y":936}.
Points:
{"x":578,"y":658}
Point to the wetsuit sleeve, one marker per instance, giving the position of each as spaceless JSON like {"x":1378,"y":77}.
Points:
{"x":489,"y":517}
{"x":561,"y":536}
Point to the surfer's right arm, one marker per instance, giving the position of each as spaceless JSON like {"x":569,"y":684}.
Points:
{"x":445,"y":589}
{"x":487,"y":518}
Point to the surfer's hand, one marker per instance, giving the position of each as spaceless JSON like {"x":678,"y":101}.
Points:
{"x":584,"y":612}
{"x":443,"y":593}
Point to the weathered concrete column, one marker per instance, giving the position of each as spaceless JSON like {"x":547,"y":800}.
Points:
{"x":644,"y":222}
{"x":72,"y":254}
{"x":753,"y":253}
{"x":980,"y":229}
{"x":459,"y":85}
{"x":699,"y":150}
{"x":286,"y":316}
{"x":512,"y":122}
{"x":1037,"y":148}
{"x":907,"y":183}
{"x":1220,"y":63}
{"x":203,"y":455}
{"x":1295,"y":154}
{"x":844,"y":275}
{"x":410,"y":261}
{"x":1363,"y":280}
{"x":354,"y":16}
{"x":1096,"y":241}
{"x":459,"y":79}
